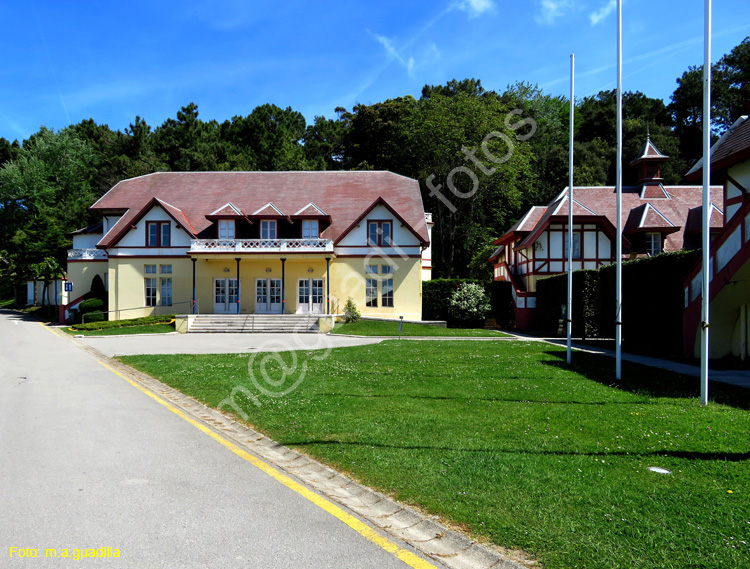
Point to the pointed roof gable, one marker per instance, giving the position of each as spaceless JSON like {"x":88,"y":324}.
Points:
{"x":649,"y":152}
{"x":646,"y":218}
{"x":269,"y":210}
{"x":578,"y":207}
{"x":694,"y":223}
{"x":377,"y":202}
{"x":227,"y":210}
{"x":128,"y":221}
{"x":311,"y":210}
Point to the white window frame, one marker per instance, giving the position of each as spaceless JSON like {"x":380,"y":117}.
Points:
{"x":653,"y":244}
{"x":266,"y":226}
{"x":310,"y":229}
{"x":227,"y":229}
{"x":165,"y":288}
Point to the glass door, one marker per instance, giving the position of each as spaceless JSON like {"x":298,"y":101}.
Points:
{"x":310,"y":296}
{"x":225,"y":296}
{"x":268,"y":296}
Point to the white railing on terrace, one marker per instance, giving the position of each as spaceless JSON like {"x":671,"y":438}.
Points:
{"x":86,"y":254}
{"x":261,"y":245}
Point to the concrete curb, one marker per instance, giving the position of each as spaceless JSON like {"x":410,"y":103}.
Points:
{"x":447,"y":547}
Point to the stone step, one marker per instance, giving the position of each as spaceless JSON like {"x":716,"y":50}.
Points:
{"x":255,"y":323}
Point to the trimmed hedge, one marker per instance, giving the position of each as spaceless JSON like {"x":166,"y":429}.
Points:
{"x":124,"y":323}
{"x":435,"y":296}
{"x":90,"y":305}
{"x":501,"y":302}
{"x":652,"y":293}
{"x":653,"y":300}
{"x":552,"y":297}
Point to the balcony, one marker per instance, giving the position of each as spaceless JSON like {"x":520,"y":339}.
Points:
{"x":86,"y":255}
{"x":261,"y":246}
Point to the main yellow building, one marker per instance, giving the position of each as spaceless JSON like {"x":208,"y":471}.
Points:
{"x":256,"y":243}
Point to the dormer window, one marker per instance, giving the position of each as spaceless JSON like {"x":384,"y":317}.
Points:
{"x":310,"y":229}
{"x":653,"y":243}
{"x":226,"y":229}
{"x":268,"y":229}
{"x":157,"y":234}
{"x":379,"y":233}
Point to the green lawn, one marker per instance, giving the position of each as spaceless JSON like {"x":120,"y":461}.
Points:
{"x":501,"y":438}
{"x":148,"y":329}
{"x":380,"y":328}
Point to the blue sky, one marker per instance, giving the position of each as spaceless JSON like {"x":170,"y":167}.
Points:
{"x":67,"y":61}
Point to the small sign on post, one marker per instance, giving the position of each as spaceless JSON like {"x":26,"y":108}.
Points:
{"x":68,"y":286}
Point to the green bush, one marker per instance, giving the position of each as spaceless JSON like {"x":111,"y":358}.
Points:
{"x":94,"y":317}
{"x":468,"y":304}
{"x":90,"y":305}
{"x":436,"y":295}
{"x":123,"y":323}
{"x":351,"y":313}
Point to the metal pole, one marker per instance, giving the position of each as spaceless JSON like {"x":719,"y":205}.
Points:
{"x":706,"y":203}
{"x":283,"y":285}
{"x":238,"y":284}
{"x":328,"y":285}
{"x":569,"y":311}
{"x":618,"y":286}
{"x":194,"y":261}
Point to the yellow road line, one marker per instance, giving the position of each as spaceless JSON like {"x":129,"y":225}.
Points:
{"x":363,"y":529}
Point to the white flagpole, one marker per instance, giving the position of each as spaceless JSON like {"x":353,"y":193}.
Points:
{"x":706,"y":203}
{"x":569,"y":311}
{"x":618,"y":287}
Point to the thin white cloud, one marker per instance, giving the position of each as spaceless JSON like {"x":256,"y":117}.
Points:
{"x":476,"y":7}
{"x":393,"y":53}
{"x":600,"y":14}
{"x":549,"y":11}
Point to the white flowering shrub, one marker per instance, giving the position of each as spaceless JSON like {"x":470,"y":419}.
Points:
{"x":468,"y":302}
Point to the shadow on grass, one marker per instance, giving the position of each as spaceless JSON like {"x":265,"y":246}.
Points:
{"x":703,"y":456}
{"x":649,"y":381}
{"x":485,"y":399}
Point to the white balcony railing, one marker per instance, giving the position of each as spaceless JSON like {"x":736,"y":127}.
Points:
{"x":261,"y":245}
{"x":86,"y":254}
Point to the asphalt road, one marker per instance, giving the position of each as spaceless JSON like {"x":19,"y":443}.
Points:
{"x":89,"y":461}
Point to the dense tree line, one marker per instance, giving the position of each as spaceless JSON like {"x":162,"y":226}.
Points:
{"x":481,"y":157}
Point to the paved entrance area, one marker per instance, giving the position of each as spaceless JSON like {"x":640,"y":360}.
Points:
{"x":217,"y":343}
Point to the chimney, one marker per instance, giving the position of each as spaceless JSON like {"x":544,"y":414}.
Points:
{"x":746,"y":107}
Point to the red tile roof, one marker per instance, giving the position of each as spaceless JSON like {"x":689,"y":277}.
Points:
{"x":599,"y":202}
{"x":193,"y":195}
{"x":731,"y":148}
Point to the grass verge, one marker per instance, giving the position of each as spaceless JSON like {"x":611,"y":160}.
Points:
{"x":381,"y":328}
{"x":503,"y":439}
{"x":147,"y":329}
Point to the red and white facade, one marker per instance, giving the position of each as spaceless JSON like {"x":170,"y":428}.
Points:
{"x":730,"y":254}
{"x":656,"y":218}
